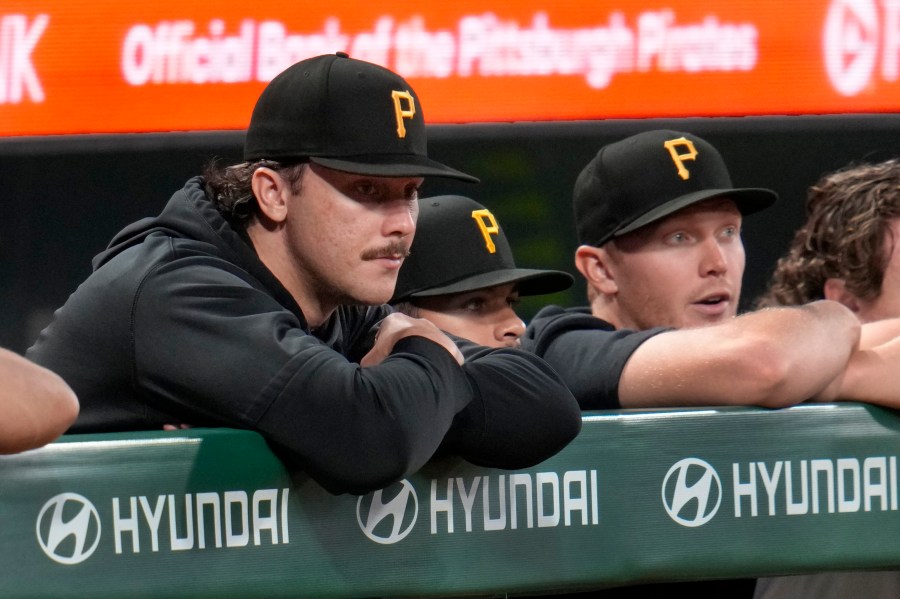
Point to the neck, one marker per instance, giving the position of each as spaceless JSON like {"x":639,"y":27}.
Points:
{"x":604,"y":308}
{"x":272,"y":252}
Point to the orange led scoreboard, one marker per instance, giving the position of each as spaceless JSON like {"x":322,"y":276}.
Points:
{"x":105,"y":66}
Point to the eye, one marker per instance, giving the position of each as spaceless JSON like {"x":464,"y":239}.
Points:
{"x":513,"y":301}
{"x":731,"y":232}
{"x":678,"y":238}
{"x":475,"y":304}
{"x":411,"y":192}
{"x":367,"y":189}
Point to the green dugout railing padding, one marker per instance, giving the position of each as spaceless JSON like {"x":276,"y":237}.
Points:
{"x":638,"y":496}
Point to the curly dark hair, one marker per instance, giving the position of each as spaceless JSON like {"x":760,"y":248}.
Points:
{"x":847,"y":224}
{"x":230,"y":187}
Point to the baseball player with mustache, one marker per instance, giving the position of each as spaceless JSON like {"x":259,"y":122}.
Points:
{"x":256,"y":300}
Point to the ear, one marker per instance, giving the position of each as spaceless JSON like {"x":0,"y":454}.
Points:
{"x":594,"y":264}
{"x":836,"y":289}
{"x":271,"y":193}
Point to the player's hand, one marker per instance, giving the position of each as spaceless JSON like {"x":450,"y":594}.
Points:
{"x":397,"y":326}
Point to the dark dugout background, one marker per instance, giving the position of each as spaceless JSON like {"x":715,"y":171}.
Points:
{"x":65,"y":197}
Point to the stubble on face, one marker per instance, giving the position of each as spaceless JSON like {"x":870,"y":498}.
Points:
{"x":683,"y":271}
{"x":348,"y":235}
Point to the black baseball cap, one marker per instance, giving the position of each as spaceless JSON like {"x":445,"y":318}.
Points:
{"x":459,"y":246}
{"x":345,"y":114}
{"x":645,"y":177}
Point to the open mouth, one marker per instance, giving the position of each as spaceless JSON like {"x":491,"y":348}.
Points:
{"x":714,"y":303}
{"x":714,"y":300}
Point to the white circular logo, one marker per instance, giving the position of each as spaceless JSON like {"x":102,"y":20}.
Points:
{"x":68,"y":528}
{"x":388,"y":521}
{"x":692,"y":497}
{"x":850,"y":43}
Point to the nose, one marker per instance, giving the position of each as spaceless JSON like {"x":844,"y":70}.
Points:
{"x":713,"y":261}
{"x":400,"y":219}
{"x":509,"y":329}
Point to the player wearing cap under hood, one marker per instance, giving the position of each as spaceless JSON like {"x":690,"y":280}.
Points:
{"x":462,"y":277}
{"x":252,"y":301}
{"x":659,"y":224}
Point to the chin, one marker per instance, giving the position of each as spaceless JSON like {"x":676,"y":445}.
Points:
{"x":707,"y":322}
{"x":372,"y":297}
{"x":374,"y":291}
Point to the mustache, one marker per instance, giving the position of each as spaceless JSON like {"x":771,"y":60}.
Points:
{"x":391,"y":250}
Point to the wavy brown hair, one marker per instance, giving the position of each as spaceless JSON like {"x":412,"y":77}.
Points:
{"x":848,"y":216}
{"x":230,"y":187}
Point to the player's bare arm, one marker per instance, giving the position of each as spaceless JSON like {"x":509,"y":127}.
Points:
{"x":879,"y":332}
{"x":772,"y":358}
{"x":36,"y":405}
{"x":871,"y":373}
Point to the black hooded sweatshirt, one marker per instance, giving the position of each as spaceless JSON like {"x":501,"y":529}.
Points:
{"x":180,"y":322}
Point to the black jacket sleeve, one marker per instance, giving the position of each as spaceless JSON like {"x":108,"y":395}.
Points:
{"x":521,"y":413}
{"x":217,"y":351}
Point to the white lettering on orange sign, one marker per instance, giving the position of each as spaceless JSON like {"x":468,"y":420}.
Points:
{"x":171,"y":53}
{"x":491,"y":47}
{"x":482,"y":45}
{"x":708,"y":46}
{"x":279,"y":49}
{"x":18,"y":79}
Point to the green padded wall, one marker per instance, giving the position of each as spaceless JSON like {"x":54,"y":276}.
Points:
{"x":649,"y":495}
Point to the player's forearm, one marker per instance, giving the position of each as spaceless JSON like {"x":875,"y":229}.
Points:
{"x":36,"y":405}
{"x":870,"y":376}
{"x":392,"y":417}
{"x":521,"y":413}
{"x":879,"y":332}
{"x":810,"y":347}
{"x":773,"y":358}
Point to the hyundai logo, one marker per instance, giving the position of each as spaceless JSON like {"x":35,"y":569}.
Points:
{"x":68,"y":528}
{"x":388,"y":515}
{"x":693,"y":495}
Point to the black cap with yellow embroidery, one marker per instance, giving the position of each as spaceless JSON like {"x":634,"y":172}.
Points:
{"x":459,"y":246}
{"x":345,"y":114}
{"x":643,"y":178}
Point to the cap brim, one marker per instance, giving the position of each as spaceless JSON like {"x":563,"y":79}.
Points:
{"x":393,"y":165}
{"x":530,"y":282}
{"x":748,"y":201}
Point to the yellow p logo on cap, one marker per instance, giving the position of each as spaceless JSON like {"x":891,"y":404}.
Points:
{"x":403,"y":113}
{"x":690,"y":154}
{"x":482,"y":218}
